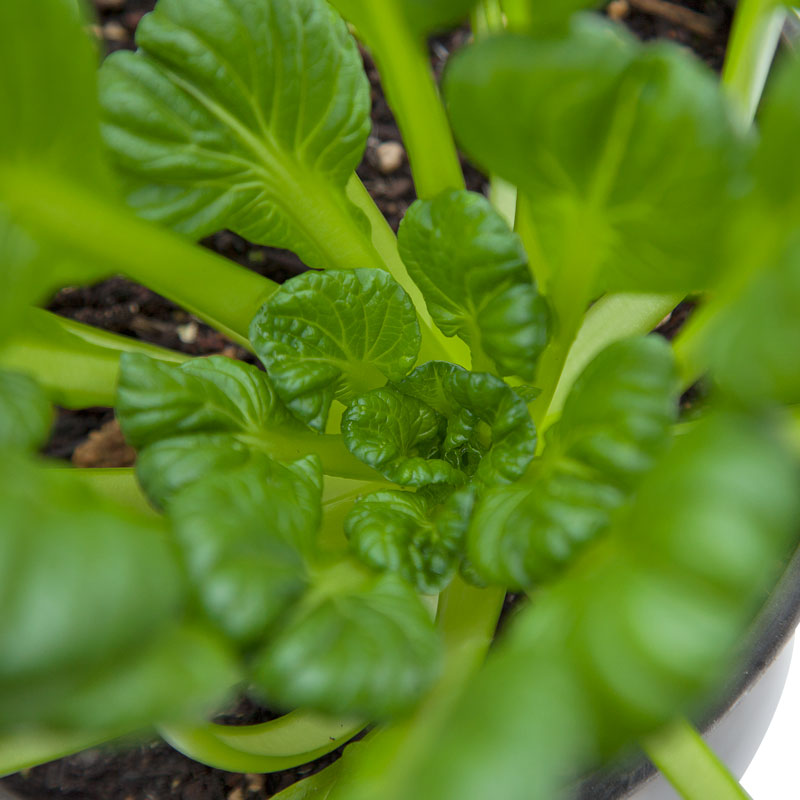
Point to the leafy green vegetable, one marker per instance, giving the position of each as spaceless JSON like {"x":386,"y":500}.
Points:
{"x":405,"y":533}
{"x":366,"y":648}
{"x":615,"y":423}
{"x":211,"y":415}
{"x":400,"y":437}
{"x":335,"y":334}
{"x":244,"y":535}
{"x":625,"y":148}
{"x":25,"y":414}
{"x":473,"y":273}
{"x":244,"y":115}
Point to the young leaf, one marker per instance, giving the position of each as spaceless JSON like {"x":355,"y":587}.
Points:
{"x":626,"y":148}
{"x":473,"y":273}
{"x":244,"y":535}
{"x":400,"y":437}
{"x":614,"y":425}
{"x":335,"y":334}
{"x":367,"y":650}
{"x":25,"y":413}
{"x":242,"y":115}
{"x":403,"y":532}
{"x":211,"y":415}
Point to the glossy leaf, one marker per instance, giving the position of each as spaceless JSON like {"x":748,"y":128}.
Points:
{"x":25,"y":413}
{"x":334,"y":335}
{"x":473,"y":273}
{"x":244,"y":535}
{"x":406,"y":533}
{"x":615,"y":423}
{"x":242,"y":115}
{"x":641,"y":629}
{"x":626,"y":148}
{"x":370,"y":649}
{"x":400,"y":437}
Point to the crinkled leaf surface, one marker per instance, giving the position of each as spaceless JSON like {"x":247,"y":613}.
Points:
{"x":641,"y":629}
{"x":472,"y":271}
{"x":625,"y":153}
{"x":244,"y":535}
{"x":245,"y":115}
{"x":25,"y":413}
{"x":335,"y":334}
{"x":614,"y":425}
{"x":370,"y":649}
{"x":405,"y":533}
{"x":400,"y":437}
{"x":421,"y":16}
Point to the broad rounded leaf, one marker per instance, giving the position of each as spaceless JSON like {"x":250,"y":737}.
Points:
{"x":626,"y":148}
{"x":400,"y":437}
{"x":334,"y":335}
{"x":614,"y":425}
{"x":404,"y":532}
{"x":243,"y":115}
{"x":244,"y":535}
{"x":25,"y":413}
{"x":371,"y":650}
{"x":472,"y":271}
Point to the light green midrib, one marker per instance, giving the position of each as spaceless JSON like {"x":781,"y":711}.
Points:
{"x":303,"y":188}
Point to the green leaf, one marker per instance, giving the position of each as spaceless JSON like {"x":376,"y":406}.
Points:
{"x":489,"y":431}
{"x":614,"y":425}
{"x":83,"y":583}
{"x":25,"y":414}
{"x":370,"y":649}
{"x":421,"y":16}
{"x":400,"y":437}
{"x":244,"y":535}
{"x":625,"y":153}
{"x":186,"y":673}
{"x":753,"y":342}
{"x":156,"y":400}
{"x":334,"y":335}
{"x":644,"y":626}
{"x":242,"y":115}
{"x":472,"y":271}
{"x":406,"y":533}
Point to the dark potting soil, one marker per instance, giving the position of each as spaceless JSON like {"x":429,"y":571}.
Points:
{"x":148,"y":769}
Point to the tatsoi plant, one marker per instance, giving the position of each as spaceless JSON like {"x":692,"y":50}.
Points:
{"x":471,"y":407}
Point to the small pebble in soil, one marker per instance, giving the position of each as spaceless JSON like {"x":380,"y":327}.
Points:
{"x":390,"y":157}
{"x":115,"y":32}
{"x":618,"y":9}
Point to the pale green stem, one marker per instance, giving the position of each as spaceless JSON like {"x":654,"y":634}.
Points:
{"x":751,"y":48}
{"x":467,"y":618}
{"x":435,"y":345}
{"x":412,"y":94}
{"x":216,"y":290}
{"x":288,"y":741}
{"x":76,"y":364}
{"x":690,"y":765}
{"x":118,"y":484}
{"x":610,"y":319}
